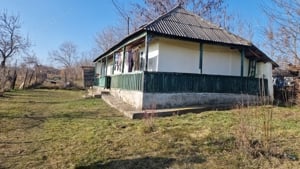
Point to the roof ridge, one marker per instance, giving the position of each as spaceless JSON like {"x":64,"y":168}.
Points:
{"x":162,"y":16}
{"x":217,"y":27}
{"x":205,"y":27}
{"x":210,"y":26}
{"x":201,"y":18}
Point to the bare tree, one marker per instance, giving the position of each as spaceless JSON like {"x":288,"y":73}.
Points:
{"x":31,"y":60}
{"x":285,"y":33}
{"x":86,"y":58}
{"x":31,"y":63}
{"x":145,"y":11}
{"x":243,"y":28}
{"x":66,"y":56}
{"x":108,"y":37}
{"x":212,"y":10}
{"x":11,"y":43}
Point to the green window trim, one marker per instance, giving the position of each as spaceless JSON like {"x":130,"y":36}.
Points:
{"x":242,"y":61}
{"x":201,"y":58}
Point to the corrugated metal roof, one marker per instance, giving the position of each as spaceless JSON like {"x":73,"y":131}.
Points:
{"x":181,"y":23}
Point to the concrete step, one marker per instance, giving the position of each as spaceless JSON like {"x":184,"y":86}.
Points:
{"x":131,"y":112}
{"x":176,"y":111}
{"x":117,"y":103}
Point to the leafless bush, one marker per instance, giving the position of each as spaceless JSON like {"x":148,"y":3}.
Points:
{"x":253,"y":135}
{"x":149,"y":120}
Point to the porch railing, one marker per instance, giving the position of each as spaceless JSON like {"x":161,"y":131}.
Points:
{"x":128,"y":81}
{"x":102,"y":81}
{"x":165,"y":82}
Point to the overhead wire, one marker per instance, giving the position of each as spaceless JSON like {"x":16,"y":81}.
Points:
{"x":124,"y":15}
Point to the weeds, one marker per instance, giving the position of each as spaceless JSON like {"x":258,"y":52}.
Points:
{"x":149,"y":120}
{"x":60,"y":129}
{"x":254,"y":134}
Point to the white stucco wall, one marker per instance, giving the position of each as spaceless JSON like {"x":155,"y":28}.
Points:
{"x":153,"y":55}
{"x":109,"y":67}
{"x":264,"y":70}
{"x":126,"y":63}
{"x":221,"y":60}
{"x":116,"y":72}
{"x":97,"y":68}
{"x":178,"y":56}
{"x":183,"y":56}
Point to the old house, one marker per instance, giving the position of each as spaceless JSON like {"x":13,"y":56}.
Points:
{"x":287,"y":85}
{"x":180,"y":59}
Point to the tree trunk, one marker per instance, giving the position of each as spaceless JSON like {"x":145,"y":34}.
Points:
{"x":13,"y":80}
{"x":30,"y":78}
{"x":3,"y":79}
{"x":3,"y":63}
{"x":65,"y":72}
{"x":25,"y":79}
{"x":36,"y":75}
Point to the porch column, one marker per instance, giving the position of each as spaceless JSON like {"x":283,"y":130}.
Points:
{"x":147,"y":39}
{"x":201,"y":58}
{"x":101,"y":67}
{"x":95,"y":69}
{"x":242,"y":61}
{"x":106,"y":65}
{"x":113,"y":67}
{"x":123,"y":61}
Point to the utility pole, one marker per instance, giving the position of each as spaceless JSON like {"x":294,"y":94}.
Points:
{"x":124,"y":15}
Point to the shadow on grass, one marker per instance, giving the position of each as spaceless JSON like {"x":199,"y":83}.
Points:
{"x":69,"y":115}
{"x":4,"y":97}
{"x":35,"y":121}
{"x":142,"y":163}
{"x":138,"y":163}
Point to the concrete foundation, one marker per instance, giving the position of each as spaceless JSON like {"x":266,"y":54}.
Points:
{"x":171,"y":100}
{"x":134,"y":98}
{"x":142,"y":101}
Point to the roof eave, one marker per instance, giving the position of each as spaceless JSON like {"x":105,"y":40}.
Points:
{"x":264,"y":58}
{"x":121,"y":43}
{"x":197,"y":40}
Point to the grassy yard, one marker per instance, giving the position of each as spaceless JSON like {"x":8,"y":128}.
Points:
{"x":61,"y":129}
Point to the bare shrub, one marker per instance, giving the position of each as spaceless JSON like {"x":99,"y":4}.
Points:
{"x":149,"y":120}
{"x":254,"y":132}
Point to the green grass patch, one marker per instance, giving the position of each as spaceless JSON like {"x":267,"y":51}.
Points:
{"x":61,"y":129}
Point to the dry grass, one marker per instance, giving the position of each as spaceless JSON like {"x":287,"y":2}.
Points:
{"x":60,"y":129}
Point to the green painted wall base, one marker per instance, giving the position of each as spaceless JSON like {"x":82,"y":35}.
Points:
{"x":165,"y":82}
